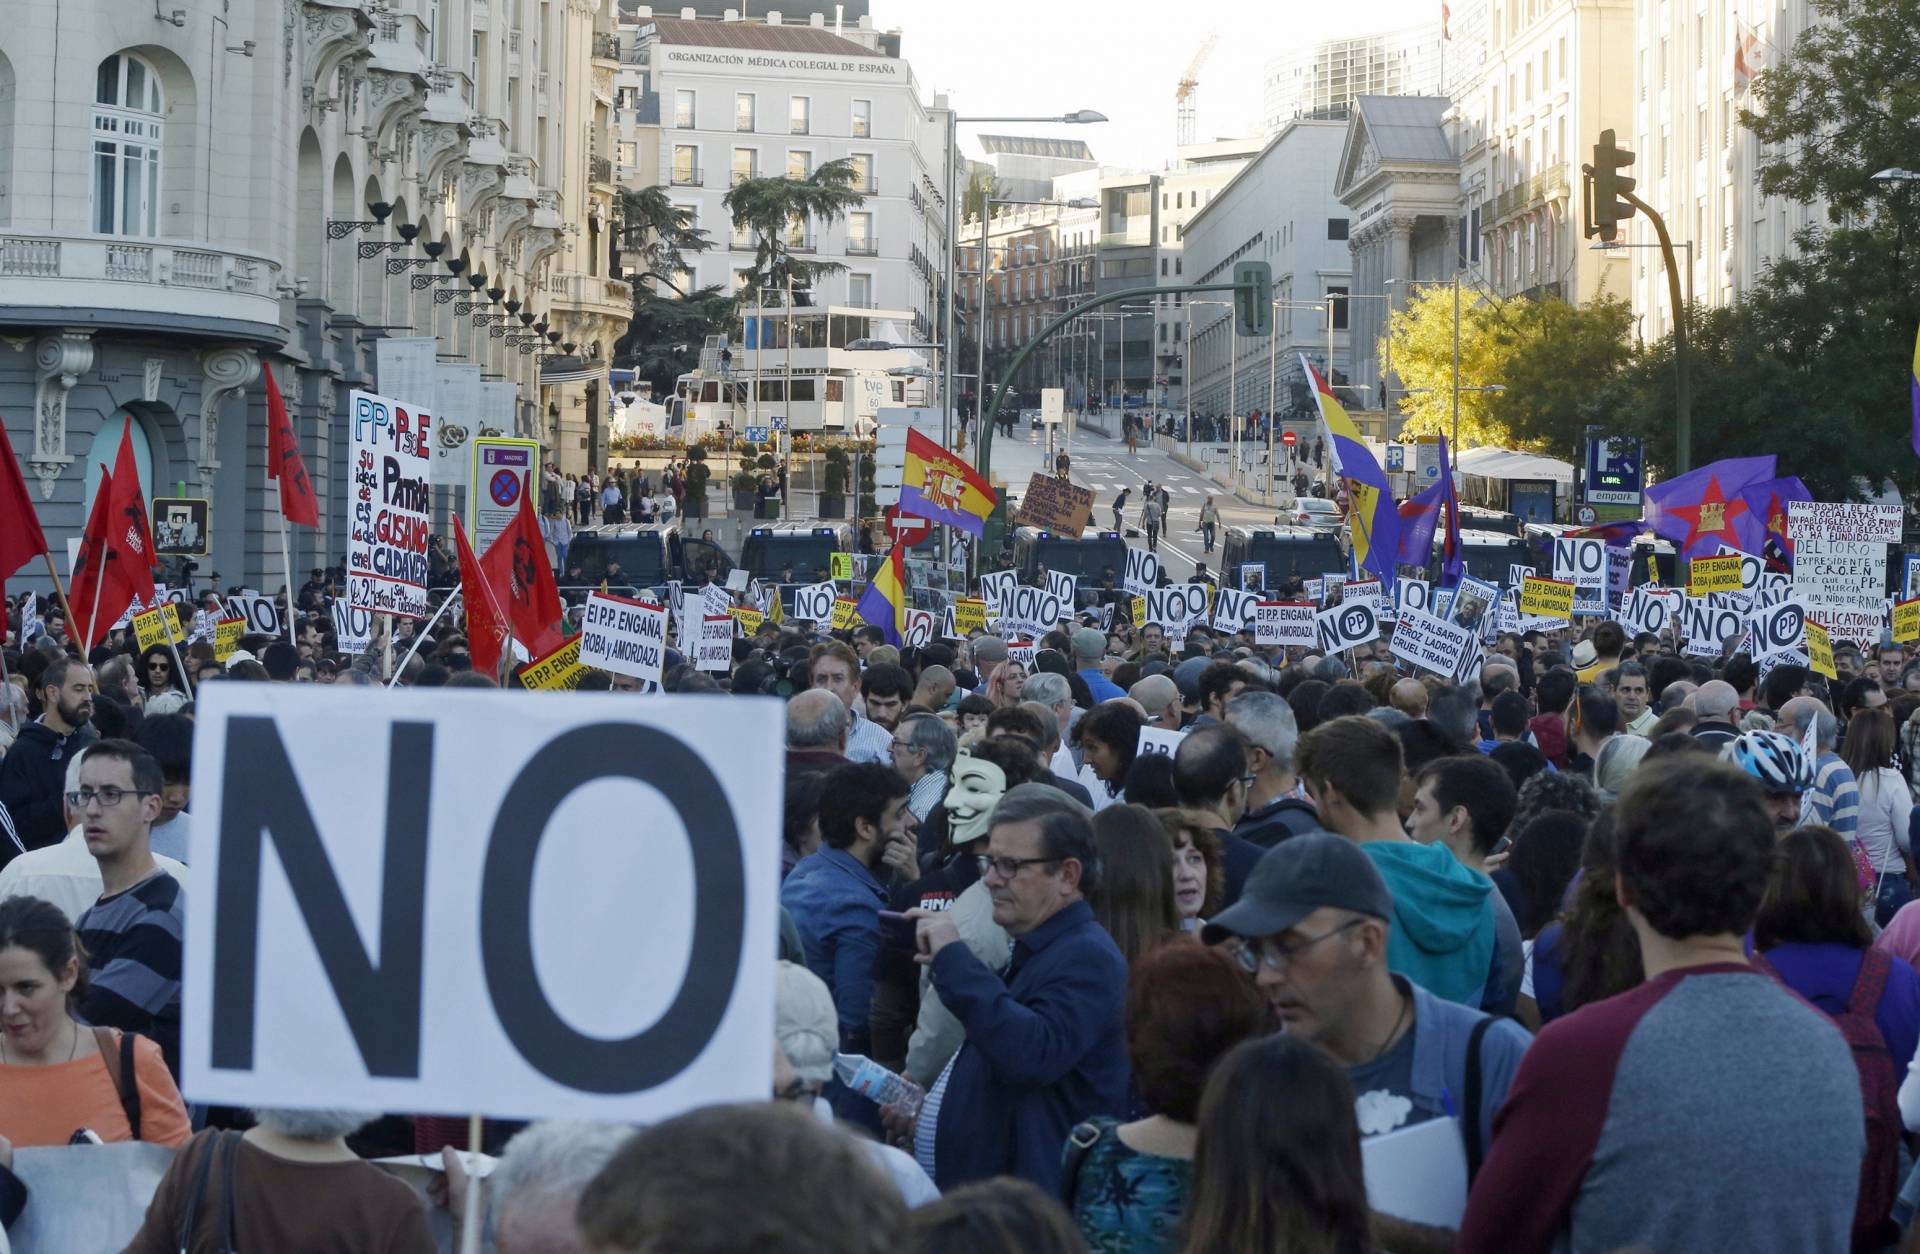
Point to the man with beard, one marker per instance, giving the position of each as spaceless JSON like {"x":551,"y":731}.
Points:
{"x":33,"y":773}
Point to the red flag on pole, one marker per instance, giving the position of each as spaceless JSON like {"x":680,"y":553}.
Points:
{"x":486,"y":623}
{"x":132,"y":534}
{"x":97,"y":588}
{"x":21,"y":539}
{"x":516,"y":568}
{"x":285,"y":466}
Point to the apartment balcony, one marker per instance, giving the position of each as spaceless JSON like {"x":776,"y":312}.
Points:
{"x":1536,"y":190}
{"x":606,"y":46}
{"x":868,"y":247}
{"x":687,"y":176}
{"x":738,"y":177}
{"x":596,"y":296}
{"x":139,"y":284}
{"x":803,"y":244}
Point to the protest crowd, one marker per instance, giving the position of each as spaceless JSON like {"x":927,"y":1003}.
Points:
{"x":1340,"y":921}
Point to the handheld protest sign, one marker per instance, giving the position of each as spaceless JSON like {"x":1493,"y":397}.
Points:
{"x":1253,"y":577}
{"x":1159,"y":740}
{"x":1137,"y":611}
{"x":1582,"y":563}
{"x":968,"y":617}
{"x":1411,"y":596}
{"x":919,"y":628}
{"x":1343,"y":626}
{"x":997,"y":588}
{"x":1143,"y":571}
{"x":1820,"y":651}
{"x":1232,"y":610}
{"x":352,"y":628}
{"x":1021,"y":651}
{"x":846,"y":614}
{"x":714,"y":649}
{"x":226,"y":638}
{"x":1906,"y":621}
{"x":558,"y":671}
{"x":1432,"y":644}
{"x":1706,"y":575}
{"x":429,"y":935}
{"x":1284,"y":623}
{"x":623,"y":636}
{"x":1061,"y":584}
{"x":1546,"y":598}
{"x":1778,"y":628}
{"x":262,"y":615}
{"x":839,"y":566}
{"x":814,"y":601}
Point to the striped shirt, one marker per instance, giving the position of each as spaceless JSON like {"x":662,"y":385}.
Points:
{"x":133,"y":942}
{"x":927,"y":793}
{"x":1834,"y":800}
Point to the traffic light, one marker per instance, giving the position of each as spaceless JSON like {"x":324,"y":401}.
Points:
{"x":1610,"y":187}
{"x":1253,"y":298}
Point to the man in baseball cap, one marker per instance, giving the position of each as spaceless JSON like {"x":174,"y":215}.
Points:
{"x":1310,"y":928}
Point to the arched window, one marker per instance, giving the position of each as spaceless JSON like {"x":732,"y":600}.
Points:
{"x":126,"y":147}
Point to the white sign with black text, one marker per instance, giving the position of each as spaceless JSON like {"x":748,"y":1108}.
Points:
{"x":1143,"y":571}
{"x":1344,"y":626}
{"x":1284,"y":623}
{"x":623,"y":636}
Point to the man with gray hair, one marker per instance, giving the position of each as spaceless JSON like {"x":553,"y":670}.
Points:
{"x":923,"y":749}
{"x":536,"y":1186}
{"x":817,"y":726}
{"x":1054,"y":692}
{"x":1716,"y":705}
{"x":1159,"y":696}
{"x":1834,"y":799}
{"x":1278,"y":807}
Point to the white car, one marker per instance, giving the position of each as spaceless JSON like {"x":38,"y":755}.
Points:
{"x":1314,"y":511}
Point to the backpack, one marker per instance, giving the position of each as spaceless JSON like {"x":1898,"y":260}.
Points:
{"x":1873,"y":1225}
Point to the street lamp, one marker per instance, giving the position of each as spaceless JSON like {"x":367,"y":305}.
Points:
{"x":1894,"y":174}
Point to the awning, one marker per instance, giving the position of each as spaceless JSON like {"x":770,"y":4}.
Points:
{"x":572,"y":370}
{"x":1501,"y":463}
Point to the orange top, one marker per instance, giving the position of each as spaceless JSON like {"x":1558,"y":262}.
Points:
{"x":47,"y":1105}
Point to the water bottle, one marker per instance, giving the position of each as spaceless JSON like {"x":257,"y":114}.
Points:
{"x":882,"y":1087}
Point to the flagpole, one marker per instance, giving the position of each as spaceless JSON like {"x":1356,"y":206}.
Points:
{"x":286,"y":555}
{"x":419,"y":638}
{"x":180,"y":667}
{"x":99,"y":585}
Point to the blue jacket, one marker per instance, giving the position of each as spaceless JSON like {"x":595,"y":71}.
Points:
{"x":1045,"y":1048}
{"x":835,"y":902}
{"x":1103,"y":689}
{"x":1441,"y":1030}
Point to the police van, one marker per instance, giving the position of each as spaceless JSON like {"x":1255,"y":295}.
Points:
{"x":1087,"y":556}
{"x":1490,"y":555}
{"x":794,"y":553}
{"x":647,"y":555}
{"x":1286,"y":553}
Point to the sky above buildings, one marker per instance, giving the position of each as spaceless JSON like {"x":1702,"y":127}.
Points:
{"x":1123,"y":58}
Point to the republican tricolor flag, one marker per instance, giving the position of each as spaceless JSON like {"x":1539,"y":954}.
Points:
{"x":884,"y":604}
{"x":1372,"y":519}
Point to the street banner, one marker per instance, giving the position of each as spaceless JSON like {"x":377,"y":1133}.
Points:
{"x":714,"y":649}
{"x":505,"y":470}
{"x":624,"y":636}
{"x":969,"y":616}
{"x":1547,"y":598}
{"x":432,"y":936}
{"x":1284,"y":623}
{"x":1706,"y":575}
{"x":1341,"y":627}
{"x":390,"y":504}
{"x":558,"y":671}
{"x":1840,"y":563}
{"x":1426,"y":642}
{"x":1143,"y":571}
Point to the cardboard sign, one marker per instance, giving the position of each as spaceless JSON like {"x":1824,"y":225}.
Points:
{"x":1906,"y":621}
{"x":160,"y":625}
{"x":1547,"y":598}
{"x":1159,"y":740}
{"x":1284,"y":623}
{"x":262,"y":615}
{"x":1342,"y":627}
{"x":1056,"y":505}
{"x":1714,"y":574}
{"x":1143,"y":571}
{"x":1232,"y":609}
{"x":226,"y":638}
{"x":390,"y":505}
{"x":558,"y":671}
{"x":997,"y":590}
{"x":846,"y":614}
{"x":352,"y":628}
{"x":1840,"y":563}
{"x":713,"y":651}
{"x":1820,"y":651}
{"x":918,"y":629}
{"x":623,"y":636}
{"x":814,"y":601}
{"x":1777,"y":629}
{"x":969,"y":616}
{"x":1426,"y":642}
{"x":839,"y":566}
{"x":399,"y":950}
{"x":1061,"y":584}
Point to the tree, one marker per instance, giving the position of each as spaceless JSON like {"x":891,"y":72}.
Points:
{"x":770,"y":207}
{"x":664,"y":339}
{"x":1559,"y":359}
{"x":1420,"y":337}
{"x":658,"y":234}
{"x":980,"y":185}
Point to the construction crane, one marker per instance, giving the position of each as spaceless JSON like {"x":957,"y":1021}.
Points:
{"x":1183,"y":96}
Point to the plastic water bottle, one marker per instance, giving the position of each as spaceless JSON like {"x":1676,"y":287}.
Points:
{"x":882,"y":1087}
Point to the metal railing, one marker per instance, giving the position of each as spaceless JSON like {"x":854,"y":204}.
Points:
{"x":868,"y":247}
{"x":685,"y":177}
{"x":1521,"y":195}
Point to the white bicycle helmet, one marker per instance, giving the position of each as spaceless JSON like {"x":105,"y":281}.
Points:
{"x":1773,"y":759}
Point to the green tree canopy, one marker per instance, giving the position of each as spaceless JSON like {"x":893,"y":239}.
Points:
{"x":664,"y":339}
{"x":769,"y":207}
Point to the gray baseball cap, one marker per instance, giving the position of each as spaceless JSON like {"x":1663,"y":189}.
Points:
{"x":1089,"y":645}
{"x":1296,"y":877}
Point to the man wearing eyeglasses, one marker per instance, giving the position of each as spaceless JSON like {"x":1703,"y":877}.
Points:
{"x":133,"y":933}
{"x":1045,"y":1042}
{"x":1311,"y":932}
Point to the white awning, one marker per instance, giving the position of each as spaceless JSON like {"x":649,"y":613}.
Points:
{"x":1501,"y":463}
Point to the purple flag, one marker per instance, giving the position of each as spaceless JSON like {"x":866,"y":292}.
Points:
{"x":1767,"y":502}
{"x":1703,"y":509}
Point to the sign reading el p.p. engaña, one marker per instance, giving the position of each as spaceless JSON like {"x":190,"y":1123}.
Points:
{"x":1143,"y":571}
{"x":624,"y":636}
{"x":1344,"y":626}
{"x":713,"y":650}
{"x":431,"y":935}
{"x":1284,"y":623}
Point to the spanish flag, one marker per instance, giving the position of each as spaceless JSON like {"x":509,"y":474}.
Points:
{"x":1371,"y":515}
{"x":884,"y":604}
{"x":940,"y":487}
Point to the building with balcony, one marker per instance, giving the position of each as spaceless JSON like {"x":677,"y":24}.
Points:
{"x":390,"y":197}
{"x":762,"y":97}
{"x":1281,"y":209}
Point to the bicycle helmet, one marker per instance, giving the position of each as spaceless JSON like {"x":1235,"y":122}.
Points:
{"x":1773,"y":759}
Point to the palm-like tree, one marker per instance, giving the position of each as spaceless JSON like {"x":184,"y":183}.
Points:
{"x":768,"y":207}
{"x":659,"y":233}
{"x":663,"y":341}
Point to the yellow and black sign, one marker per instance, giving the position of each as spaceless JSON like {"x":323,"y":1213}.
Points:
{"x":1820,"y":650}
{"x":559,"y":671}
{"x":1713,"y":574}
{"x":969,"y":616}
{"x":749,"y":620}
{"x":226,"y":638}
{"x":1547,"y":598}
{"x":159,"y":625}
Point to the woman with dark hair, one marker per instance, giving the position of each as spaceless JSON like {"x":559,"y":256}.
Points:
{"x":1127,"y":1183}
{"x":1133,"y":896}
{"x":800,"y":826}
{"x":157,"y":671}
{"x":1277,"y":1165}
{"x":1886,"y":807}
{"x":1150,"y":782}
{"x":1546,"y":856}
{"x":1590,"y":952}
{"x":1108,"y":738}
{"x":1199,"y":865}
{"x":1812,"y":935}
{"x":998,"y":1216}
{"x":57,"y":1075}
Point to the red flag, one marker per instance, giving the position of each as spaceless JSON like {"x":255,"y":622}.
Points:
{"x":516,"y":568}
{"x":21,"y":539}
{"x":88,"y":588}
{"x":284,"y":463}
{"x":486,"y":622}
{"x":132,"y":534}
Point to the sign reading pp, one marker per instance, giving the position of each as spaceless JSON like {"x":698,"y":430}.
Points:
{"x":433,"y":937}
